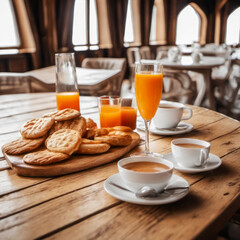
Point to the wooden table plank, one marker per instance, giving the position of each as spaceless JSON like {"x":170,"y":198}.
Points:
{"x":173,"y":221}
{"x":76,"y":206}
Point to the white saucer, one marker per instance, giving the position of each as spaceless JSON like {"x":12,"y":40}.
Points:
{"x":182,"y":127}
{"x":213,"y":163}
{"x":164,"y":198}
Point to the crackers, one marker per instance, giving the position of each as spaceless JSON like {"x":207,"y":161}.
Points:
{"x":64,"y":141}
{"x":36,"y":127}
{"x":64,"y":114}
{"x":22,"y":145}
{"x":44,"y":157}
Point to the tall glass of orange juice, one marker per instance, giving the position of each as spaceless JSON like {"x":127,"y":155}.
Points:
{"x":67,"y":94}
{"x":109,"y":111}
{"x":148,"y":91}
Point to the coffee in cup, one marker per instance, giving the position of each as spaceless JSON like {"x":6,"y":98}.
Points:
{"x":169,"y":114}
{"x":190,"y":152}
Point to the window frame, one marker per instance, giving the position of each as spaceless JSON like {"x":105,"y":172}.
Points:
{"x":88,"y":45}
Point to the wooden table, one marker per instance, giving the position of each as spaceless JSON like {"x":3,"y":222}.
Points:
{"x":204,"y":67}
{"x":75,"y":206}
{"x":90,"y":81}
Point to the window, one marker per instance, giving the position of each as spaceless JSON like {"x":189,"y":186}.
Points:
{"x":158,"y":24}
{"x":233,"y":28}
{"x":9,"y":36}
{"x":85,"y":25}
{"x":188,"y":26}
{"x":153,"y":36}
{"x":128,"y":34}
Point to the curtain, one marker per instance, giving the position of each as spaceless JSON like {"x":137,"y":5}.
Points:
{"x":64,"y":23}
{"x":117,"y":10}
{"x":146,"y":8}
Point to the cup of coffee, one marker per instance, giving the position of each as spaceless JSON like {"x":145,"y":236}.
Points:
{"x":190,"y":152}
{"x":137,"y":172}
{"x":169,"y":114}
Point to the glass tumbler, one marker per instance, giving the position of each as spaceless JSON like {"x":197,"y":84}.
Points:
{"x":129,"y":112}
{"x":67,"y":94}
{"x":110,"y":111}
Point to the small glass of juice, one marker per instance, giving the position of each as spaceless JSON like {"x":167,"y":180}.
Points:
{"x":129,"y":112}
{"x":109,"y":111}
{"x":67,"y":94}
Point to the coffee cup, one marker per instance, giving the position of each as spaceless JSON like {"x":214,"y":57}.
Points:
{"x":169,"y":114}
{"x":190,"y":152}
{"x":137,"y":172}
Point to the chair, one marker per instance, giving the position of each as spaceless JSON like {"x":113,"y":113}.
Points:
{"x":178,"y":87}
{"x":145,"y":52}
{"x":113,"y":86}
{"x":133,"y":55}
{"x":11,"y":83}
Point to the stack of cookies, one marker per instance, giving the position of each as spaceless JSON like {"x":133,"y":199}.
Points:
{"x":63,"y":133}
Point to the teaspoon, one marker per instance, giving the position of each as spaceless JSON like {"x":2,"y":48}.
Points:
{"x":146,"y":191}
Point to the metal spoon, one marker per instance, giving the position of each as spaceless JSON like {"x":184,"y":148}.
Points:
{"x":146,"y":191}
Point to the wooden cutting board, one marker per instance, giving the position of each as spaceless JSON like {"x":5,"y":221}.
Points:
{"x":74,"y":164}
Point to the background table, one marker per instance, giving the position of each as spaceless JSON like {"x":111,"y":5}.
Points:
{"x":90,"y":81}
{"x":204,"y":67}
{"x":75,"y":206}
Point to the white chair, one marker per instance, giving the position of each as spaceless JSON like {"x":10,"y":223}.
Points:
{"x":178,"y":87}
{"x":113,"y":86}
{"x":133,"y":55}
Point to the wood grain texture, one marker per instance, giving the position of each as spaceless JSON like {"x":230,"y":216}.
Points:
{"x":75,"y":206}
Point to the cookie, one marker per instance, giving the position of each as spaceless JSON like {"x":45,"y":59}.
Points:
{"x":64,"y":140}
{"x":91,"y":123}
{"x":116,"y":138}
{"x":44,"y":157}
{"x":92,"y":147}
{"x":22,"y":145}
{"x":64,"y":114}
{"x":78,"y":124}
{"x":36,"y":127}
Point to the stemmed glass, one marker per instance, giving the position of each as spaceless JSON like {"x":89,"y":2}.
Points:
{"x":148,"y":91}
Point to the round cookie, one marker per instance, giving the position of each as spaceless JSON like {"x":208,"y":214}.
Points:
{"x":64,"y":140}
{"x":36,"y":127}
{"x":22,"y":145}
{"x":44,"y":157}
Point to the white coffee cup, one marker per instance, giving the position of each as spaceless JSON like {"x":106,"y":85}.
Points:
{"x":190,"y":152}
{"x":169,"y":114}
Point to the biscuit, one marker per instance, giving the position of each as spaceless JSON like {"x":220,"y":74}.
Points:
{"x":22,"y":145}
{"x":91,"y":123}
{"x":64,"y":141}
{"x":36,"y":127}
{"x":120,"y":128}
{"x":116,"y":138}
{"x":93,"y":147}
{"x":78,"y":124}
{"x":44,"y":157}
{"x":64,"y":114}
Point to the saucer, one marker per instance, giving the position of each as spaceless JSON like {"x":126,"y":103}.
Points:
{"x":213,"y":163}
{"x":164,"y":198}
{"x":182,"y":127}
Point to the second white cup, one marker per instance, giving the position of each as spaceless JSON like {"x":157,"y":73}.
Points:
{"x":190,"y":152}
{"x":169,"y":114}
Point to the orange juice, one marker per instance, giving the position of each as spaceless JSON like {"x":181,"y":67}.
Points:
{"x":148,"y":90}
{"x":110,"y":116}
{"x":68,"y":100}
{"x":129,"y":117}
